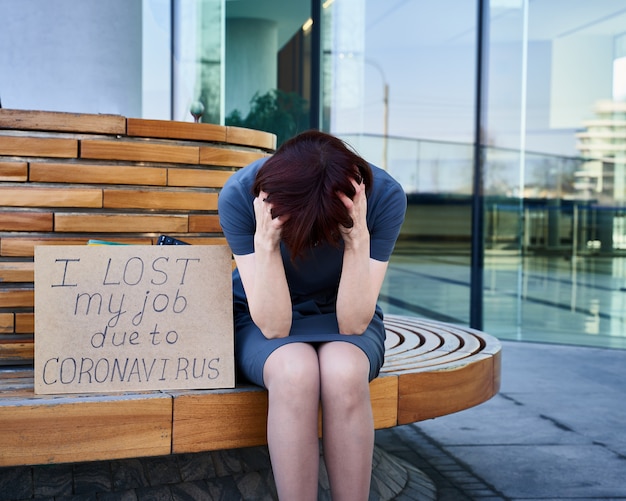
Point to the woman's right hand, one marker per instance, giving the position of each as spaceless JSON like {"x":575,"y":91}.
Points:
{"x":268,"y":229}
{"x":263,"y":274}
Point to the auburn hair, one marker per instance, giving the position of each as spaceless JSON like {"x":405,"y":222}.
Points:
{"x":302,"y":180}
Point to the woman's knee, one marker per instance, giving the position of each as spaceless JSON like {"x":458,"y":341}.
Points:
{"x":293,"y":368}
{"x":344,"y":371}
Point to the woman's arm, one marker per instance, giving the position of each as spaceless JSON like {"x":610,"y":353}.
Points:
{"x":263,"y":275}
{"x":361,"y":276}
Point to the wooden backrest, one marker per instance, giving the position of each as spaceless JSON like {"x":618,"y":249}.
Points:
{"x":67,"y":178}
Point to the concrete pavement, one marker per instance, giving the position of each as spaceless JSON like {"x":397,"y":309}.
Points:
{"x":557,"y":430}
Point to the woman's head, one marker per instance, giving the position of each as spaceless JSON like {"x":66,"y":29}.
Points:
{"x":302,"y":180}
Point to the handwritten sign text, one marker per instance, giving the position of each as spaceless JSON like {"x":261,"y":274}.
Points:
{"x":127,"y":318}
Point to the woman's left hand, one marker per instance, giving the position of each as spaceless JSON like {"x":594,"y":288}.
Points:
{"x":357,"y":208}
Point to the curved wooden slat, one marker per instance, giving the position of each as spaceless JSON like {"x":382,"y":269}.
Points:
{"x":463,"y":371}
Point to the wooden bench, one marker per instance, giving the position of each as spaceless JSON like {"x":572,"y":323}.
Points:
{"x":431,"y":369}
{"x":65,"y":179}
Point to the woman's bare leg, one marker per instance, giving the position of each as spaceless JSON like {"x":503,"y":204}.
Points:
{"x":291,"y":374}
{"x":348,"y":425}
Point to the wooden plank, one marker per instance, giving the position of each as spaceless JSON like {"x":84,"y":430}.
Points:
{"x":25,"y":247}
{"x":13,"y":171}
{"x":198,"y":177}
{"x":496,"y":357}
{"x":38,"y":147}
{"x":50,"y":197}
{"x":96,"y":174}
{"x":15,"y":351}
{"x":15,"y":271}
{"x":175,"y":130}
{"x":204,"y":223}
{"x":440,"y":391}
{"x":16,"y":386}
{"x":412,"y":347}
{"x":13,"y":297}
{"x":121,"y":223}
{"x":24,"y":323}
{"x":384,"y":397}
{"x":25,"y":221}
{"x":138,"y":151}
{"x":7,"y":323}
{"x":219,"y":419}
{"x":249,"y":137}
{"x":16,"y":381}
{"x":84,"y":428}
{"x":159,"y":199}
{"x":62,"y":121}
{"x":227,"y":157}
{"x":9,"y":378}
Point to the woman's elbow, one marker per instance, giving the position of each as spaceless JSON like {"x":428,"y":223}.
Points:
{"x":353,"y":329}
{"x":275,"y":330}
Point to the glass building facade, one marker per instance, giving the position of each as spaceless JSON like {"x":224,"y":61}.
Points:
{"x":504,"y":120}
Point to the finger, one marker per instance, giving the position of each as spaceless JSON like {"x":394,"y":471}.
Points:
{"x":263,"y":199}
{"x":360,"y":186}
{"x":262,"y":210}
{"x":347,"y":201}
{"x":281,"y":219}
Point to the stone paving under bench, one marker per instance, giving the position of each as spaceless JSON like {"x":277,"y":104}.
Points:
{"x":241,"y":474}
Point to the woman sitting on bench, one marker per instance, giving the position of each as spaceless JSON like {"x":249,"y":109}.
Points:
{"x":312,"y":229}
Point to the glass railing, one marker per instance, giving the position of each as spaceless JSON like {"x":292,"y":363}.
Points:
{"x":533,"y":202}
{"x":555,"y":258}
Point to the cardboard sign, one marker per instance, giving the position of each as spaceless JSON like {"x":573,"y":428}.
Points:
{"x":133,"y":317}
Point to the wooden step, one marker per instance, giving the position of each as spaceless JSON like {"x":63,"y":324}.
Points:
{"x":13,"y":171}
{"x":25,"y":323}
{"x":160,"y":200}
{"x":204,"y":224}
{"x":176,"y":130}
{"x":19,"y":246}
{"x":198,"y":177}
{"x":72,"y":173}
{"x":38,"y":147}
{"x":7,"y":323}
{"x":137,"y":151}
{"x":121,"y":223}
{"x":17,"y":297}
{"x":228,"y":158}
{"x":249,"y":137}
{"x":25,"y":221}
{"x":16,"y":271}
{"x":50,"y":197}
{"x":16,"y":351}
{"x":62,"y":121}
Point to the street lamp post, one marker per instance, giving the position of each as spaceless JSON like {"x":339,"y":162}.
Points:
{"x":385,"y":123}
{"x":385,"y":109}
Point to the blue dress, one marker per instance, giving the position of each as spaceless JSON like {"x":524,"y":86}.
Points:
{"x":313,"y":279}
